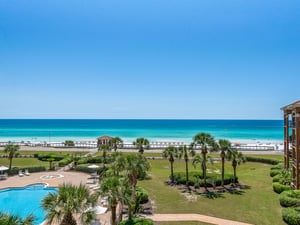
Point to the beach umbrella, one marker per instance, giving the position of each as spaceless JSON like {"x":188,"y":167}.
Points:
{"x":93,"y":166}
{"x":3,"y":168}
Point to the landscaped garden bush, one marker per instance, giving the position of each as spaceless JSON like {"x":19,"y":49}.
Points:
{"x":196,"y":179}
{"x":137,"y":221}
{"x":262,"y":160}
{"x":275,"y":172}
{"x":65,"y":161}
{"x":142,"y":195}
{"x":291,"y":215}
{"x":86,"y":160}
{"x":46,"y":156}
{"x":290,"y":198}
{"x":278,"y":188}
{"x":278,"y":166}
{"x":15,"y":170}
{"x":276,"y":178}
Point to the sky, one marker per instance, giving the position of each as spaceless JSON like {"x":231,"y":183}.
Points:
{"x":180,"y":59}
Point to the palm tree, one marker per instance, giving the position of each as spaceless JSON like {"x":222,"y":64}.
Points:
{"x":199,"y":160}
{"x":206,"y":142}
{"x":117,"y":162}
{"x":184,"y":151}
{"x":10,"y":219}
{"x":141,"y":143}
{"x":115,"y":142}
{"x":67,"y":203}
{"x":224,"y":146}
{"x":236,"y":158}
{"x":116,"y":191}
{"x":12,"y":151}
{"x":171,"y":153}
{"x":104,"y":148}
{"x":136,"y":168}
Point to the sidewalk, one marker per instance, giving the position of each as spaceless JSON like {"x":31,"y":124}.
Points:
{"x":193,"y":217}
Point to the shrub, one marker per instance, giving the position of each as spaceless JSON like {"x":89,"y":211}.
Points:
{"x":278,"y":166}
{"x":196,"y":179}
{"x":69,"y":143}
{"x":46,"y":156}
{"x":278,"y":188}
{"x":64,"y":162}
{"x":141,"y":195}
{"x":137,"y":221}
{"x":290,"y":198}
{"x":262,"y":160}
{"x":276,"y":178}
{"x":275,"y":172}
{"x":291,"y":215}
{"x":15,"y":170}
{"x":86,"y":160}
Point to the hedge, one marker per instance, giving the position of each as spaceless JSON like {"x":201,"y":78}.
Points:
{"x":276,"y":178}
{"x":196,"y":179}
{"x":291,"y":215}
{"x":278,"y":188}
{"x":46,"y":156}
{"x":15,"y":170}
{"x":137,"y":221}
{"x":98,"y":159}
{"x":278,"y":166}
{"x":65,"y":161}
{"x":262,"y":160}
{"x":275,"y":172}
{"x":290,"y":198}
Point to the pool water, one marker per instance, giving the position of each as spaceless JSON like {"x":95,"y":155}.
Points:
{"x":24,"y":201}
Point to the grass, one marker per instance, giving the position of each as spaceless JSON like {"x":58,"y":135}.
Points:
{"x":256,"y":205}
{"x":24,"y":162}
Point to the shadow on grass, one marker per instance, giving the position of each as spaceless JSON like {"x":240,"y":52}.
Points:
{"x":213,"y":195}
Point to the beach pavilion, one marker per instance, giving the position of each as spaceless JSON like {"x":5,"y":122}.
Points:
{"x":103,"y":140}
{"x":292,"y":141}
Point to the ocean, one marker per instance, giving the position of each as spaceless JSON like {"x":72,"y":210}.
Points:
{"x":58,"y":130}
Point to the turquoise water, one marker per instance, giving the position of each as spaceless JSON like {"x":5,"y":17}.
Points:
{"x":24,"y":201}
{"x":155,"y":130}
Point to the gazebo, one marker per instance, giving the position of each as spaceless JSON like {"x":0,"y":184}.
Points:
{"x":103,"y":140}
{"x":292,"y":141}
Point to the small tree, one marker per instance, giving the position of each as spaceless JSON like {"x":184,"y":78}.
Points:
{"x":171,"y":153}
{"x":236,"y":158}
{"x":12,"y":151}
{"x":115,"y":142}
{"x":185,"y":152}
{"x":141,"y":143}
{"x":69,"y":143}
{"x":224,"y":146}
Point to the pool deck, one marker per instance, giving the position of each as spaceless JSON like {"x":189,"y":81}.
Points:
{"x":68,"y":177}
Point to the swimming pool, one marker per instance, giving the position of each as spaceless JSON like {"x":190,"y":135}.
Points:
{"x":26,"y":200}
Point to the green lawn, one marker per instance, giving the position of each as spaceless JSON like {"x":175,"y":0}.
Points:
{"x":23,"y":162}
{"x":256,"y":205}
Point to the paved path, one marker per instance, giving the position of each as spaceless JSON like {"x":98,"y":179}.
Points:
{"x":193,"y":217}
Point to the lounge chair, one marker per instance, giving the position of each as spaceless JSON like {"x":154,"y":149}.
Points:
{"x":26,"y":172}
{"x":21,"y":174}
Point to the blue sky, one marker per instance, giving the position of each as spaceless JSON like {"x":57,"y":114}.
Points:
{"x":149,"y":59}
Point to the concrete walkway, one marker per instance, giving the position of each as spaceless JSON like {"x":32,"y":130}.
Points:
{"x":193,"y":217}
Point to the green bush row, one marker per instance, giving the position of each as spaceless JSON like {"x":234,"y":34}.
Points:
{"x":275,"y":172}
{"x":291,"y":215}
{"x":196,"y":179}
{"x":276,"y":178}
{"x":15,"y":170}
{"x":290,"y":198}
{"x":65,"y":161}
{"x":262,"y":160}
{"x":278,"y":188}
{"x":46,"y":156}
{"x":87,"y":160}
{"x":137,"y":221}
{"x":278,"y":166}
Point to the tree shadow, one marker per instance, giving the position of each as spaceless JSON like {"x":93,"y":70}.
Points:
{"x":212,"y":194}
